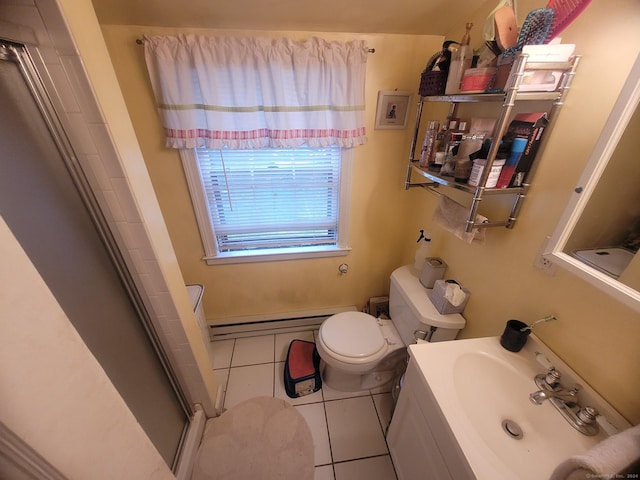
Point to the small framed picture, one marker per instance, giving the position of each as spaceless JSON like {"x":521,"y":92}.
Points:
{"x":392,"y":110}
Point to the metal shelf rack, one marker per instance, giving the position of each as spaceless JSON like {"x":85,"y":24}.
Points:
{"x":508,"y":98}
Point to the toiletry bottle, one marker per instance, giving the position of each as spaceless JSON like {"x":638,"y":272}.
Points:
{"x":421,"y":253}
{"x":517,"y":148}
{"x":470,"y":144}
{"x":429,"y":143}
{"x":451,"y":153}
{"x":460,"y":61}
{"x":442,"y":142}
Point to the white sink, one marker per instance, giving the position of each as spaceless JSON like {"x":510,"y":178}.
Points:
{"x":479,"y":386}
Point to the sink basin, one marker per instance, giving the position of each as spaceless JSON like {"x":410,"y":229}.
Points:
{"x":483,"y":392}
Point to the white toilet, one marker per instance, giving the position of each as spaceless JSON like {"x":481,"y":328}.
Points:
{"x":361,"y":352}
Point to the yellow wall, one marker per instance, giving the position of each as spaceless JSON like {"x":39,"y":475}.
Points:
{"x":596,"y":335}
{"x":379,"y":238}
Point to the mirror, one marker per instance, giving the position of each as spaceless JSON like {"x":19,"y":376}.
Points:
{"x":598,"y":235}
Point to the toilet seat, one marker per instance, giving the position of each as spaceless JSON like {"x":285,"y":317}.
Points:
{"x":353,"y":337}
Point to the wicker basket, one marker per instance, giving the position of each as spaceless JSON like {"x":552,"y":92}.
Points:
{"x":432,"y":83}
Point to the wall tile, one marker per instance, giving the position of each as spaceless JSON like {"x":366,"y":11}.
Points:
{"x":93,"y":164}
{"x":104,"y":144}
{"x":63,"y":88}
{"x":79,"y":134}
{"x":56,"y":27}
{"x":82,"y":88}
{"x":27,"y":16}
{"x":114,"y":208}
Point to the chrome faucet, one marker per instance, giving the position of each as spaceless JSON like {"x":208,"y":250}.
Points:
{"x":564,"y":400}
{"x":568,"y":397}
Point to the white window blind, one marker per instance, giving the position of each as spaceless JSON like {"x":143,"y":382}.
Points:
{"x":272,"y":198}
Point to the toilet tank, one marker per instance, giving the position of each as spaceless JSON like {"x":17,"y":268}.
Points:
{"x":411,"y":309}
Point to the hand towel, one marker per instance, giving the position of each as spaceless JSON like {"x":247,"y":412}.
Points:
{"x":604,"y":460}
{"x":453,"y":217}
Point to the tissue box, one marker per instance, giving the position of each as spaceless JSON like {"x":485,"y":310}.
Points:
{"x":440,"y":301}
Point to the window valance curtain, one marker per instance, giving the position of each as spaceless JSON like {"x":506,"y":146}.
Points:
{"x":240,"y":93}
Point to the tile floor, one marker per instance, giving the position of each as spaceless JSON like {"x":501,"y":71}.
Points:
{"x":347,"y":428}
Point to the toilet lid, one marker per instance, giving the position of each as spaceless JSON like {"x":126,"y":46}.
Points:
{"x":352,"y":334}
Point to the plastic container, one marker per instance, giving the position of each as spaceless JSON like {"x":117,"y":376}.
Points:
{"x":513,"y":338}
{"x":460,"y":62}
{"x":471,"y":143}
{"x":478,"y":168}
{"x":442,"y":139}
{"x":432,"y":270}
{"x":429,"y":144}
{"x":476,"y":80}
{"x":455,"y":137}
{"x":422,"y":252}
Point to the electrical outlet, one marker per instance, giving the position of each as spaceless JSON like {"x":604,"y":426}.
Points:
{"x":542,"y":263}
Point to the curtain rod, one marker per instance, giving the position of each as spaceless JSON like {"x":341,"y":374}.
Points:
{"x":140,"y":41}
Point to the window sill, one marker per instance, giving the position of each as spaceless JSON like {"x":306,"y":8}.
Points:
{"x":276,"y":255}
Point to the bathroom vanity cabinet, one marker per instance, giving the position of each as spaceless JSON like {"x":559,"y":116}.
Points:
{"x":513,"y":94}
{"x":420,"y":441}
{"x":464,"y":413}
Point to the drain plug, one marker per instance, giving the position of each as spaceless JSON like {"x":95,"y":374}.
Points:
{"x":512,"y":429}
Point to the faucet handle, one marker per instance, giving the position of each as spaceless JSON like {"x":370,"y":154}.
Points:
{"x":552,"y":378}
{"x":588,"y":415}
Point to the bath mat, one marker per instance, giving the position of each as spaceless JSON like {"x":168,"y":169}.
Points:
{"x":262,"y":438}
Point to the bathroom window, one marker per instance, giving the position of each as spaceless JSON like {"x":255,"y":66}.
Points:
{"x":270,"y":204}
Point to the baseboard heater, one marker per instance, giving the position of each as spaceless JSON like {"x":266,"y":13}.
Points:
{"x":256,"y":325}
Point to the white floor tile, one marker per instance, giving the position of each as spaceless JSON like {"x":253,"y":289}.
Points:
{"x":284,"y":339}
{"x":329,"y":393}
{"x":351,"y":430}
{"x":280,"y":392}
{"x":376,"y":468}
{"x":222,"y":375}
{"x":354,"y":429}
{"x":324,"y":473}
{"x":313,"y":413}
{"x":253,"y":350}
{"x":383,"y":403}
{"x":247,"y":382}
{"x":222,"y":351}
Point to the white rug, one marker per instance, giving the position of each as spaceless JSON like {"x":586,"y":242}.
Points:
{"x":263,"y":438}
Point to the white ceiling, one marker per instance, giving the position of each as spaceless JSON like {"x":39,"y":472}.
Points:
{"x":427,"y":17}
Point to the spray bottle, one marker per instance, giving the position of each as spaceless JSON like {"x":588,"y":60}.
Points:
{"x":421,"y":252}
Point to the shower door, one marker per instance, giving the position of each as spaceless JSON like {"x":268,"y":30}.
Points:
{"x":50,"y":209}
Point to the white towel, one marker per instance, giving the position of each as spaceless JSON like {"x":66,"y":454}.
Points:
{"x":605,"y":460}
{"x":453,"y":217}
